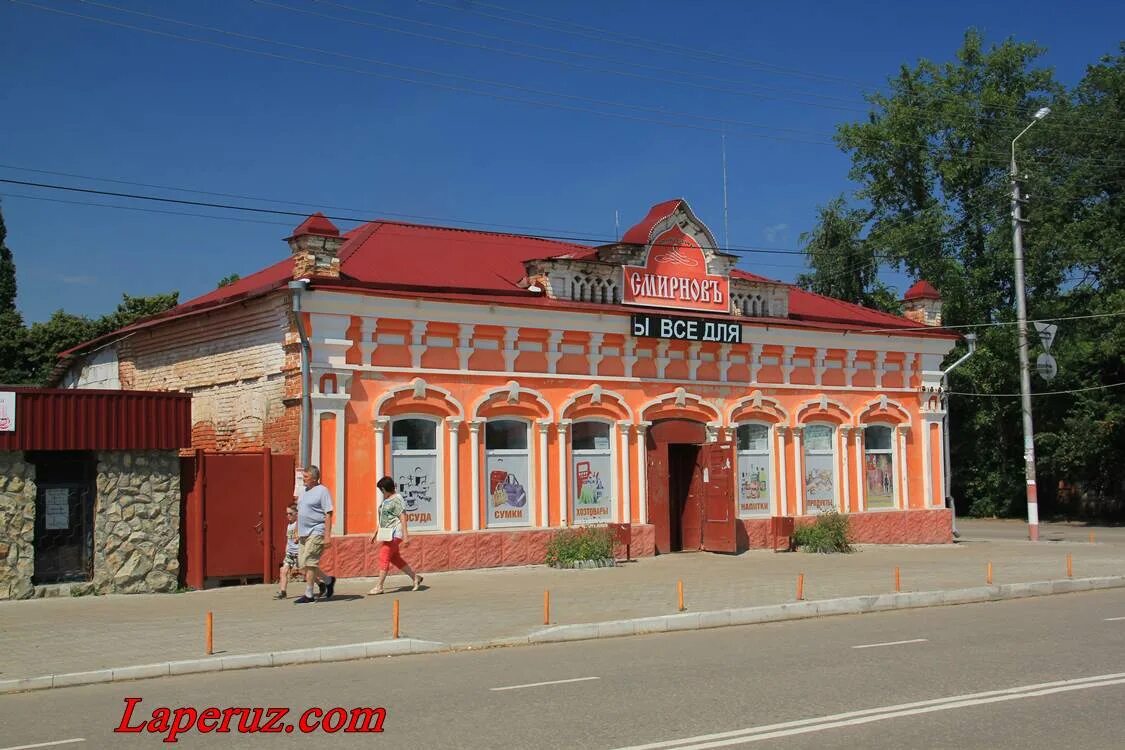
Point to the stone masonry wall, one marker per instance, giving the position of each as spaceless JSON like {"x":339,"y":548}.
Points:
{"x":137,"y":522}
{"x":17,"y":526}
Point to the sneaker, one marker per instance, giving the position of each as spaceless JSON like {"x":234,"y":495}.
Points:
{"x":320,"y":589}
{"x":279,"y":595}
{"x":329,"y":588}
{"x":303,"y":599}
{"x":417,"y":583}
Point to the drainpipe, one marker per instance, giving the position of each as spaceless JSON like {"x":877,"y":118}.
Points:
{"x":971,"y":338}
{"x":297,"y":287}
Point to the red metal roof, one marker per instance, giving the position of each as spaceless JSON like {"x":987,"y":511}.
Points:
{"x":318,"y":223}
{"x":386,"y":255}
{"x":641,"y":234}
{"x":90,"y":420}
{"x":922,"y":289}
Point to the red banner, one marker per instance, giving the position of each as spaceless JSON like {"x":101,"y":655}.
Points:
{"x":675,"y":275}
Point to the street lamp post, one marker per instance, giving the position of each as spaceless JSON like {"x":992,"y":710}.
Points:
{"x":1021,"y":323}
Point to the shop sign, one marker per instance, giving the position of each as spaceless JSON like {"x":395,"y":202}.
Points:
{"x":685,"y":329}
{"x":7,"y":411}
{"x":675,"y":275}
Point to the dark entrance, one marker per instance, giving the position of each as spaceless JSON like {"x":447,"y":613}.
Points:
{"x":690,"y":489}
{"x":64,"y":516}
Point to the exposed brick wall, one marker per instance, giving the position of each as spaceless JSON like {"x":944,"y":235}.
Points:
{"x":234,"y":363}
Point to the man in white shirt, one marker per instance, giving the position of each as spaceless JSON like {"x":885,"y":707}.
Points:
{"x":314,"y":533}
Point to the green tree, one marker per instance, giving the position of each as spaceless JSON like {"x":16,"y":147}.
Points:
{"x":11,"y":322}
{"x":842,"y":262}
{"x":132,"y":309}
{"x":228,"y":280}
{"x":931,"y":165}
{"x":46,"y":340}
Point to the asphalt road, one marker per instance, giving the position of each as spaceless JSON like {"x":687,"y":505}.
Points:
{"x":1033,"y":673}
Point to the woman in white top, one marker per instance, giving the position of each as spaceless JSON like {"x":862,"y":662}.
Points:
{"x":392,"y":533}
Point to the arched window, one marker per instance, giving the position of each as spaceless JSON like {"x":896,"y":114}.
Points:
{"x":754,"y":456}
{"x":820,"y":462}
{"x":414,"y":466}
{"x":506,"y":461}
{"x":591,"y":472}
{"x":878,"y":467}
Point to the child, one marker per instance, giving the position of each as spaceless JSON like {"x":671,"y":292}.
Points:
{"x":289,"y":564}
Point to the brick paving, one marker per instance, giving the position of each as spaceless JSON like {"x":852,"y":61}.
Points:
{"x":51,"y":636}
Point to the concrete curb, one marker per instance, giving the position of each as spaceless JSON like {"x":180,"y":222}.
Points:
{"x":853,"y":605}
{"x":346,"y":652}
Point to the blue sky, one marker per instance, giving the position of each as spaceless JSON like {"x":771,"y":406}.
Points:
{"x":86,"y":98}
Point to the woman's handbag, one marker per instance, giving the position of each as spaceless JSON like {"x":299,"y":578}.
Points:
{"x":384,"y":534}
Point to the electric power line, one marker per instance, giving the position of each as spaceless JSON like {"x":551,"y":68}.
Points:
{"x":1040,"y":393}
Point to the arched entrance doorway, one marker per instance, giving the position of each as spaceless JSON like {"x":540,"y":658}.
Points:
{"x":690,"y":488}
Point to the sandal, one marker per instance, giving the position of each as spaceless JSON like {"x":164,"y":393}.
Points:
{"x":375,"y":591}
{"x":417,"y":583}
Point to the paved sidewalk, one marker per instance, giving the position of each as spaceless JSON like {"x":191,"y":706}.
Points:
{"x":55,"y":636}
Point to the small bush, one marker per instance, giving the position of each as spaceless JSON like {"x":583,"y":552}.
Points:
{"x":829,"y":533}
{"x":585,"y":543}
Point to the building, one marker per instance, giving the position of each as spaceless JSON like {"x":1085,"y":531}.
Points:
{"x":514,"y":385}
{"x":90,"y":491}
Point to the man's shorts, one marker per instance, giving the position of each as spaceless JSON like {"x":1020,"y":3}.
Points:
{"x":312,"y":547}
{"x":290,"y":560}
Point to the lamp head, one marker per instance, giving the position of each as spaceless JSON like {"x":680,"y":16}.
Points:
{"x":1043,"y":112}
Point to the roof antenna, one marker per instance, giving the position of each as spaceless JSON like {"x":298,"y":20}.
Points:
{"x":726,"y":222}
{"x":617,"y":224}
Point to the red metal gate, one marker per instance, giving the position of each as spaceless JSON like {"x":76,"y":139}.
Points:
{"x":234,"y":515}
{"x":719,"y":521}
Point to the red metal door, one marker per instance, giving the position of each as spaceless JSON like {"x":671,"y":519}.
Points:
{"x":719,"y":521}
{"x":234,"y":525}
{"x":234,"y":514}
{"x":657,"y":482}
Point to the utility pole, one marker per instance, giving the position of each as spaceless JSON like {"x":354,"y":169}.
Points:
{"x":1021,"y":324}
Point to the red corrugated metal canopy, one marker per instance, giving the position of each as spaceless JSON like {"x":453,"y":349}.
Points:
{"x":48,"y":419}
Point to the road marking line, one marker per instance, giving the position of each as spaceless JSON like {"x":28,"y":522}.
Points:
{"x":892,"y":643}
{"x":799,"y":726}
{"x":45,"y":744}
{"x":540,"y":684}
{"x":1114,"y":619}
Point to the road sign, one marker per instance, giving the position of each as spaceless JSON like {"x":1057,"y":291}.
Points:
{"x":1046,"y":366}
{"x":1047,"y":333}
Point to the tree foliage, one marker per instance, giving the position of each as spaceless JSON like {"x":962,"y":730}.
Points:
{"x":931,"y":165}
{"x":844,"y":264}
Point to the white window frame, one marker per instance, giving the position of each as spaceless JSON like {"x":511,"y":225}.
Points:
{"x":771,"y":477}
{"x":486,"y":493}
{"x":575,"y":454}
{"x":895,"y":468}
{"x":832,"y":452}
{"x":438,"y":453}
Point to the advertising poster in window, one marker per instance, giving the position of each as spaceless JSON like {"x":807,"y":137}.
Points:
{"x":820,"y":493}
{"x":507,"y":498}
{"x":879,"y":474}
{"x":753,"y":485}
{"x":590,"y":482}
{"x":416,"y":477}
